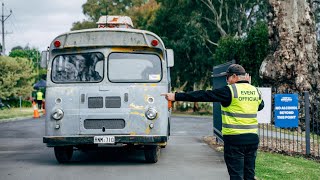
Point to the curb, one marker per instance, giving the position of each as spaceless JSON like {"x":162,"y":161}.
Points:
{"x":15,"y":119}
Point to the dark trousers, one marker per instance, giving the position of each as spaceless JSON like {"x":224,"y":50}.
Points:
{"x":39,"y":104}
{"x":240,"y":160}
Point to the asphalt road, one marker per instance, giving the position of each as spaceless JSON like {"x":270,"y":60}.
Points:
{"x":186,"y":157}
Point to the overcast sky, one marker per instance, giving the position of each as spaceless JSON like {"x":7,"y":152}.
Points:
{"x":37,"y":22}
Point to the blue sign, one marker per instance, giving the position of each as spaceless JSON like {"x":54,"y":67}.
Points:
{"x":286,"y":110}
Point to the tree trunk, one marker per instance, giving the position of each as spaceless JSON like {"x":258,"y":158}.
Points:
{"x":196,"y":107}
{"x":292,"y":65}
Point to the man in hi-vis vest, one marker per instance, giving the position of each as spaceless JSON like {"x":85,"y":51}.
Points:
{"x":39,"y":98}
{"x":240,"y":102}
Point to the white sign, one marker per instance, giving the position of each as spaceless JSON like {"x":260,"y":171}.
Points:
{"x":264,"y":116}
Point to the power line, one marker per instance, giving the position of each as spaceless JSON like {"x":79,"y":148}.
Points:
{"x":3,"y":19}
{"x":16,"y":27}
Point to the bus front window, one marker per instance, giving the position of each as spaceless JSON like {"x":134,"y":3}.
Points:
{"x":86,"y":67}
{"x":129,"y":67}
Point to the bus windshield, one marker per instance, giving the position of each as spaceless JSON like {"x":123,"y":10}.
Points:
{"x":129,"y":67}
{"x":84,"y":67}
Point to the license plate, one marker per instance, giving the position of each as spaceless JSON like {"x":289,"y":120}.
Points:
{"x":104,"y":140}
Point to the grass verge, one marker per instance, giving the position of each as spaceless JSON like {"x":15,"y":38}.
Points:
{"x":15,"y":113}
{"x":278,"y":166}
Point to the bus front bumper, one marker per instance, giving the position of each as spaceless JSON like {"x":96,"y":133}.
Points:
{"x":83,"y":140}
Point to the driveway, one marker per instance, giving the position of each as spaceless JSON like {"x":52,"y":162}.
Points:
{"x":186,"y":157}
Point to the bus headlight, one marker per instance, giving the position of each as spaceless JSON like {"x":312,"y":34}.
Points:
{"x":57,"y":114}
{"x":151,"y":113}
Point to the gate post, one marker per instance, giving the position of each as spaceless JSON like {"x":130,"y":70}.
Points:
{"x":307,"y":115}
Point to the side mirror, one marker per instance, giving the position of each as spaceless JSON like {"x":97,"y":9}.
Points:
{"x":170,"y":57}
{"x":44,"y":59}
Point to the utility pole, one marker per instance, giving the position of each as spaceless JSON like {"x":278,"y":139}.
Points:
{"x":3,"y":19}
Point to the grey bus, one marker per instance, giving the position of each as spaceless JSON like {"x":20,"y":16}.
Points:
{"x":103,"y":89}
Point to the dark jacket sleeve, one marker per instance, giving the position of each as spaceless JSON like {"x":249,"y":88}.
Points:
{"x":222,"y":95}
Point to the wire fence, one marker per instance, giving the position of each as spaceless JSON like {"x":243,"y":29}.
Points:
{"x":301,"y":140}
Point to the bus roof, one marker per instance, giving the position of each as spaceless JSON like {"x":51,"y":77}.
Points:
{"x":107,"y":37}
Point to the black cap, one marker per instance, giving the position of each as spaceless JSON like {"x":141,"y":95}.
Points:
{"x":236,"y":69}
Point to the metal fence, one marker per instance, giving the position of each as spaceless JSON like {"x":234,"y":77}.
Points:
{"x":302,"y":140}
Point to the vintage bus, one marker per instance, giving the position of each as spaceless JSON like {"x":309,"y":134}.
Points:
{"x":103,"y":88}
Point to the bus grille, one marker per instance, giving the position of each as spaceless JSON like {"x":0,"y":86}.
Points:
{"x":113,"y":102}
{"x":104,"y":123}
{"x":95,"y":102}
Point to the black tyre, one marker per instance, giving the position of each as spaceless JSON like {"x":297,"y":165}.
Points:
{"x":63,"y":154}
{"x":152,"y":153}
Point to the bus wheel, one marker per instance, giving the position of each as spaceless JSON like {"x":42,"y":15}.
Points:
{"x":63,"y":153}
{"x":152,"y":153}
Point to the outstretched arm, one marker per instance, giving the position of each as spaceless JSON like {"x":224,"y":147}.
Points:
{"x":169,"y":96}
{"x":222,"y":95}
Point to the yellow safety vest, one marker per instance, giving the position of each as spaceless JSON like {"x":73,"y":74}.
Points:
{"x":39,"y":95}
{"x":240,"y":117}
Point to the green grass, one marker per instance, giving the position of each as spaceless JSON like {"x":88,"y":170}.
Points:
{"x":15,"y":113}
{"x":277,"y":166}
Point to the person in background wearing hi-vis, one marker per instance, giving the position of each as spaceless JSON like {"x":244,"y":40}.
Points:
{"x":39,"y":99}
{"x":240,"y":102}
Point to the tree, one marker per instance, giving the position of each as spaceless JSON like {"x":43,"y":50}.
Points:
{"x":229,"y":48}
{"x":180,"y":25}
{"x":19,"y":53}
{"x":83,"y":25}
{"x":16,"y":77}
{"x":95,"y":8}
{"x":248,"y":51}
{"x":254,"y":50}
{"x":17,"y":48}
{"x":31,"y":54}
{"x":143,"y":16}
{"x":315,"y":8}
{"x":292,"y":65}
{"x":234,"y":17}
